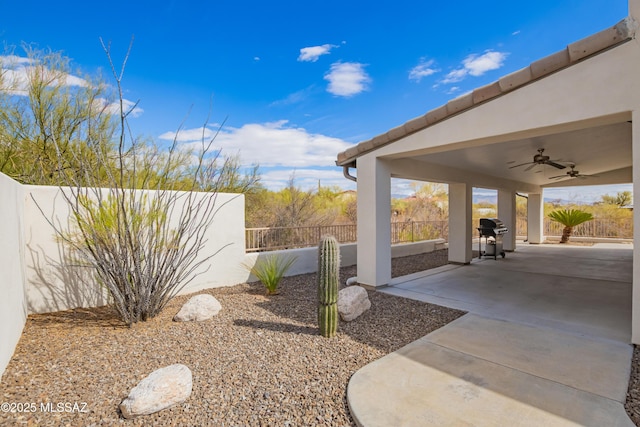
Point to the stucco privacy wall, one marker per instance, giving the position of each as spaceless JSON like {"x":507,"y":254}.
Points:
{"x":36,"y":279}
{"x":307,"y":258}
{"x":13,"y":310}
{"x":50,"y":285}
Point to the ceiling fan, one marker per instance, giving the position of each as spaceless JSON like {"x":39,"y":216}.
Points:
{"x":573,"y":173}
{"x":540,"y":159}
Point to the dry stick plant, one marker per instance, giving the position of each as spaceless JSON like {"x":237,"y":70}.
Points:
{"x":142,"y":237}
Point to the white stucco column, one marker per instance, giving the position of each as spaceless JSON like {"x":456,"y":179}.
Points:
{"x":507,"y":214}
{"x":460,"y":227}
{"x":535,"y":218}
{"x":374,"y":221}
{"x":635,"y":304}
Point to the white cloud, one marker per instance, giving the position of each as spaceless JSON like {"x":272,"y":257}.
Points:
{"x":14,"y":82}
{"x":490,"y":60}
{"x":190,"y":135}
{"x":423,"y":69}
{"x":305,"y":178}
{"x":129,"y":107}
{"x":476,"y":65}
{"x":70,"y":80}
{"x":347,"y":79}
{"x":11,"y":61}
{"x":312,"y":53}
{"x":401,"y":187}
{"x":273,"y":144}
{"x":586,"y":194}
{"x":293,"y":98}
{"x":455,"y":76}
{"x":15,"y":74}
{"x":515,"y":33}
{"x":16,"y":71}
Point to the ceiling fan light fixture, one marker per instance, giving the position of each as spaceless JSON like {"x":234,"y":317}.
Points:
{"x":540,"y":159}
{"x":573,"y":173}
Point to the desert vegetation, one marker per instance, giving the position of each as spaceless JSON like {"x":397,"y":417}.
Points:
{"x":139,"y":210}
{"x":569,"y":218}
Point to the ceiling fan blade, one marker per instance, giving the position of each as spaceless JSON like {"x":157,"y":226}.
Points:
{"x":557,"y":176}
{"x":530,"y":167}
{"x":522,"y":164}
{"x":555,"y":165}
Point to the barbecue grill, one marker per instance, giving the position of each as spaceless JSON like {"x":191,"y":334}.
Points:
{"x":492,"y":230}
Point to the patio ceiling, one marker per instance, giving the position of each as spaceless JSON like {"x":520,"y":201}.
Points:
{"x":571,"y":104}
{"x":603,"y":150}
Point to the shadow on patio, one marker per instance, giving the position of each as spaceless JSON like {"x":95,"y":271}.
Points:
{"x":545,"y":343}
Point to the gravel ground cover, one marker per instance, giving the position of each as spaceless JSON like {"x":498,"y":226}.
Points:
{"x":260,"y":362}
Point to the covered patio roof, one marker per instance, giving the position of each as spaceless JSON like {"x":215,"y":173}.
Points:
{"x":580,"y":105}
{"x":599,"y":146}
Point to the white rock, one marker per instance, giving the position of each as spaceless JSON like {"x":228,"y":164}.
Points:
{"x":352,"y":281}
{"x":162,"y":389}
{"x":198,"y":308}
{"x":352,"y":302}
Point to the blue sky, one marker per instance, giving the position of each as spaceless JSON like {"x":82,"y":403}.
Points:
{"x":297,"y":82}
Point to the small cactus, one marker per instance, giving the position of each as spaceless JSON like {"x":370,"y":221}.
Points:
{"x":328,"y":277}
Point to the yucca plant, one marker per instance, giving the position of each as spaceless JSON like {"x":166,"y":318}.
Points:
{"x":270,"y":270}
{"x":569,"y":218}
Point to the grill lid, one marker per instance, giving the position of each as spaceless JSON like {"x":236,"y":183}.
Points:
{"x":491,"y":227}
{"x":491,"y":223}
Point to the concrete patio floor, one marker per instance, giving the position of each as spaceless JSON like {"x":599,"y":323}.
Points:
{"x":545,"y":343}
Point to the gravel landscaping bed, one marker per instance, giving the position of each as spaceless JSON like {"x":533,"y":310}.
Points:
{"x":260,"y":362}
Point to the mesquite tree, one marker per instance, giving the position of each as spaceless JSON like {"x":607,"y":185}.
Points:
{"x":144,"y":245}
{"x":52,"y":119}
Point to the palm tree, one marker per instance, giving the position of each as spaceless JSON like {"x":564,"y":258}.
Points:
{"x":569,"y":218}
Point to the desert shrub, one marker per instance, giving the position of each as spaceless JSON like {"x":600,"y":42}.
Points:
{"x":271,"y":269}
{"x":142,"y":238}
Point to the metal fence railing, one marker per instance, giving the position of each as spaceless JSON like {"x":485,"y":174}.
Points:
{"x":415,"y":231}
{"x":274,"y":238}
{"x":597,"y":227}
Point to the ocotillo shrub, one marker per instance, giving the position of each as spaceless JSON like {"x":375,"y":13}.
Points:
{"x":328,"y":277}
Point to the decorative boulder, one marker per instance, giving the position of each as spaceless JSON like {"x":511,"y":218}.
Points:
{"x":352,"y":281}
{"x":352,"y":302}
{"x":160,"y":390}
{"x":198,"y":308}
